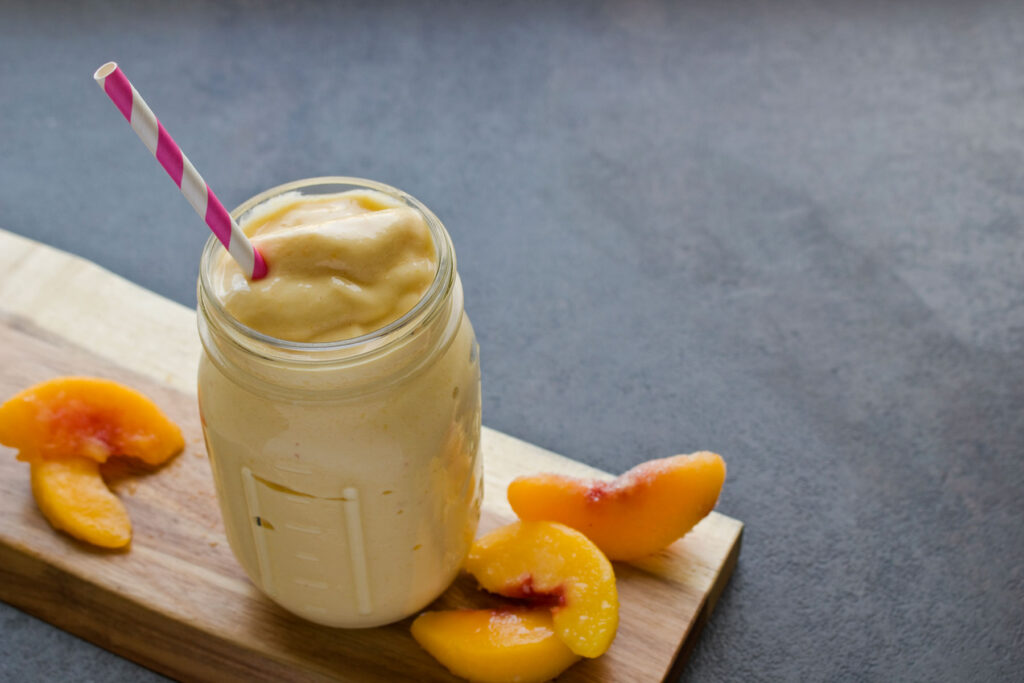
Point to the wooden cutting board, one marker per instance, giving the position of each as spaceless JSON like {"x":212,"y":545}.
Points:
{"x":177,"y":601}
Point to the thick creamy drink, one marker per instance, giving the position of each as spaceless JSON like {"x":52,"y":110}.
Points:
{"x":340,"y":399}
{"x":345,"y":265}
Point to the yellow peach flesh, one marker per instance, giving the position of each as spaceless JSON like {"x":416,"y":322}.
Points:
{"x":72,"y":496}
{"x":494,"y":646}
{"x":549,"y":562}
{"x":88,"y":417}
{"x":640,"y":512}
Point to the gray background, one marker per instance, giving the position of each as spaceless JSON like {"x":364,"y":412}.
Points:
{"x":790,"y":232}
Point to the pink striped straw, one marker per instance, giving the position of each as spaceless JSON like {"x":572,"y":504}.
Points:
{"x":161,"y":145}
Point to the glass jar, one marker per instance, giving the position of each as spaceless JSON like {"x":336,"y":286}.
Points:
{"x":348,"y":472}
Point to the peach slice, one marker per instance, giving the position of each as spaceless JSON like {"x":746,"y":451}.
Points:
{"x":494,"y":645}
{"x":89,"y":417}
{"x":549,"y":563}
{"x":72,"y":496}
{"x":640,"y":512}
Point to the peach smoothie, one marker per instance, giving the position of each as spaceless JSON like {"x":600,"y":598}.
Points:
{"x":340,"y":398}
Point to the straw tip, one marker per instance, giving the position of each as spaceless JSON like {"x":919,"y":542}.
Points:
{"x":259,"y":266}
{"x":105,"y":70}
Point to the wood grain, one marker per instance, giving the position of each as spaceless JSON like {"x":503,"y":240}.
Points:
{"x":177,"y":601}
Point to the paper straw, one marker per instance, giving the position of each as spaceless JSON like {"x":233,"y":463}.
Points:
{"x":160,"y":143}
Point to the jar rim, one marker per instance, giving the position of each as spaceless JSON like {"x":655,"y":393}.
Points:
{"x":427,"y":306}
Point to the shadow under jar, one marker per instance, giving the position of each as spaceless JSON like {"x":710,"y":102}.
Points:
{"x":347,"y":472}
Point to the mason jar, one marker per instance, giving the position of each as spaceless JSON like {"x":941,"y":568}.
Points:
{"x":348,"y":473}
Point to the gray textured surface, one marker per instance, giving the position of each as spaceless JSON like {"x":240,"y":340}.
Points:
{"x":790,"y":232}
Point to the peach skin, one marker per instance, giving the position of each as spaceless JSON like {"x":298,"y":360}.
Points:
{"x":72,"y":496}
{"x":550,"y":564}
{"x":88,"y":417}
{"x":640,"y":512}
{"x":494,"y":645}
